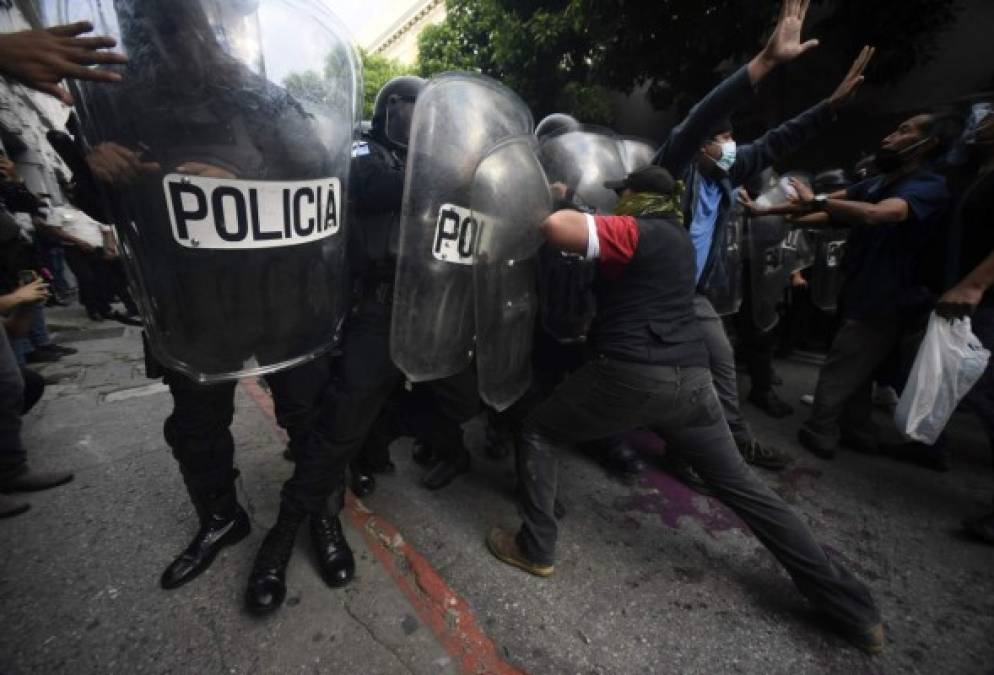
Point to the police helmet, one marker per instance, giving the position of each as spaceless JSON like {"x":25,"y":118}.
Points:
{"x":394,"y":110}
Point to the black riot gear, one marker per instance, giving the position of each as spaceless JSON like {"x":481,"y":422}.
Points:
{"x":394,"y":110}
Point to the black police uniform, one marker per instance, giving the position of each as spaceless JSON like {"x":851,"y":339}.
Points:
{"x":365,"y":376}
{"x":239,"y":122}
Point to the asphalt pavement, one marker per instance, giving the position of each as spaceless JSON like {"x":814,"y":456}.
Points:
{"x":652,"y":578}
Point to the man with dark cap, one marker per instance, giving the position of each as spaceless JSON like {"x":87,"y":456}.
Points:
{"x":702,"y":151}
{"x":651,"y":370}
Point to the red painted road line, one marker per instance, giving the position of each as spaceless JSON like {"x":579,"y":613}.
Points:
{"x":448,"y":615}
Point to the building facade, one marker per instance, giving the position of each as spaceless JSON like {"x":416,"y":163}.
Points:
{"x":400,"y":40}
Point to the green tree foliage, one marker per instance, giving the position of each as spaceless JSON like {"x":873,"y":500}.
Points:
{"x":560,"y":55}
{"x":377,"y":70}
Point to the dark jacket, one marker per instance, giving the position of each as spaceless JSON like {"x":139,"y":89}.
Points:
{"x":679,"y":156}
{"x":646,"y":314}
{"x":376,"y":192}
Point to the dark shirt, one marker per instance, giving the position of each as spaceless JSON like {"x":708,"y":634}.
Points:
{"x":883,"y":262}
{"x":977,"y":216}
{"x":645,"y":291}
{"x":376,"y":191}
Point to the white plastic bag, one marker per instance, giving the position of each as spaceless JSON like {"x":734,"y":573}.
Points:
{"x":950,"y":361}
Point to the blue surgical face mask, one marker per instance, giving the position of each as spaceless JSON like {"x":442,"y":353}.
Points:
{"x":729,"y":151}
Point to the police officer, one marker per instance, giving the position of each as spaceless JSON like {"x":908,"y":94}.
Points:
{"x":366,"y":377}
{"x":204,"y":114}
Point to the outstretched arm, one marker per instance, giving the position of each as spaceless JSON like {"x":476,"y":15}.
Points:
{"x":40,"y":59}
{"x":783,"y":46}
{"x":775,"y":144}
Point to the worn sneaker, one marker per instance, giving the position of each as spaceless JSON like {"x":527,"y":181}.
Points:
{"x":765,"y":456}
{"x":504,"y":546}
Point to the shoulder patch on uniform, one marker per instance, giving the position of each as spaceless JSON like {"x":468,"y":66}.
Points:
{"x":360,"y":149}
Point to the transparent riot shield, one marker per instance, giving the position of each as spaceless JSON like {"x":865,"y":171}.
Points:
{"x":767,"y":271}
{"x":637,"y":153}
{"x":827,"y":274}
{"x":798,"y":252}
{"x":458,"y":118}
{"x":584,"y":160}
{"x":224,"y":151}
{"x":510,"y":198}
{"x":726,"y":296}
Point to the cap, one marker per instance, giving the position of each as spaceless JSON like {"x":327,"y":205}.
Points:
{"x":653,"y":179}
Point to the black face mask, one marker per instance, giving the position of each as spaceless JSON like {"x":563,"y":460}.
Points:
{"x":889,"y":161}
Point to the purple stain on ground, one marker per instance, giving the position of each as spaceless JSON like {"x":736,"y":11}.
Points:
{"x":671,"y":500}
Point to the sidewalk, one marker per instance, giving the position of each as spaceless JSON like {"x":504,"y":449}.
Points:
{"x":652,"y":578}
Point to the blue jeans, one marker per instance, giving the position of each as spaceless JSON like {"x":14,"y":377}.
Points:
{"x":37,"y":337}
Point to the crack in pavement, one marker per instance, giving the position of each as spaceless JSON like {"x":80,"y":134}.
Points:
{"x":377,"y":640}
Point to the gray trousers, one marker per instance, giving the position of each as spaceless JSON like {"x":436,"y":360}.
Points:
{"x":607,"y":397}
{"x":843,"y":403}
{"x":722,"y":361}
{"x":12,"y":454}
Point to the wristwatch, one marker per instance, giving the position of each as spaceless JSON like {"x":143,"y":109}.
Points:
{"x":819,"y":203}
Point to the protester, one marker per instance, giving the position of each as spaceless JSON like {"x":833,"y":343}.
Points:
{"x":884,"y":305}
{"x":20,"y":389}
{"x":702,"y":151}
{"x":972,"y":296}
{"x":652,"y":371}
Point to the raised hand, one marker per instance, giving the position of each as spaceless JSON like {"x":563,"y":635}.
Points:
{"x":785,"y":43}
{"x":852,"y":81}
{"x":40,"y":59}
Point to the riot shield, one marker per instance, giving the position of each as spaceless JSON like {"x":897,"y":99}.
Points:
{"x":767,"y":269}
{"x":726,"y":296}
{"x":510,"y":198}
{"x":798,"y":251}
{"x":637,"y":153}
{"x":827,"y":274}
{"x":458,"y":118}
{"x":232,"y":215}
{"x":584,"y":160}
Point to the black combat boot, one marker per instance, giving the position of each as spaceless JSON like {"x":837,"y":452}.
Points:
{"x":335,"y":560}
{"x":267,"y":583}
{"x":223,"y":522}
{"x":362,"y":482}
